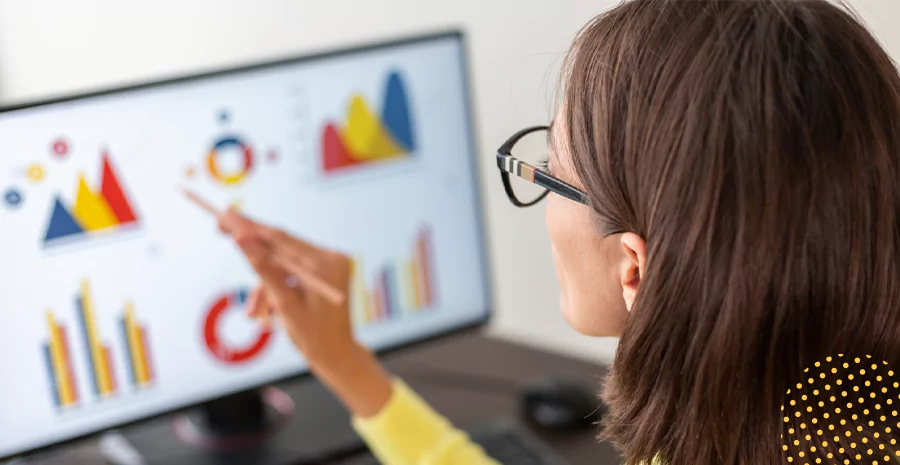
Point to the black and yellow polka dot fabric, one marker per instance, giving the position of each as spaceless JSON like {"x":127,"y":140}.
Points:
{"x":844,"y":410}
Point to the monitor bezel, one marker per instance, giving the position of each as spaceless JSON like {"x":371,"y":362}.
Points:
{"x":484,"y":250}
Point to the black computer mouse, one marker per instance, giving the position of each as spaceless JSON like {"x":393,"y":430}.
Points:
{"x":561,"y":405}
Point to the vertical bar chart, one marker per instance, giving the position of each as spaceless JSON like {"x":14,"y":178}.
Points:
{"x":97,"y":352}
{"x":137,"y":359}
{"x":423,"y":258}
{"x":409,"y":285}
{"x":57,"y":356}
{"x":72,"y":385}
{"x":402,"y":287}
{"x":98,"y":358}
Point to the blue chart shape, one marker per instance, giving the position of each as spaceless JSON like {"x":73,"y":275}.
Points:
{"x":392,"y":291}
{"x":396,"y":112}
{"x":390,"y":295}
{"x":61,"y":223}
{"x":123,"y":329}
{"x":54,"y":385}
{"x":12,"y":197}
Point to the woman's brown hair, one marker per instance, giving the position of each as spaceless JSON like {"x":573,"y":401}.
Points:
{"x":755,"y":146}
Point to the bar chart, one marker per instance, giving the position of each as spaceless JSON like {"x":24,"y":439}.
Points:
{"x":403,"y":287}
{"x":99,"y":367}
{"x":58,"y":359}
{"x":137,"y":347}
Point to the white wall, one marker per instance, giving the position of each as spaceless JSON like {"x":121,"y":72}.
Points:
{"x":59,"y":46}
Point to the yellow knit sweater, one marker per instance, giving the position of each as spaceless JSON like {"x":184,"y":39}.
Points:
{"x":407,"y":431}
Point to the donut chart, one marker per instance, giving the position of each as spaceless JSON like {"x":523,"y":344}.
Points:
{"x":212,"y":160}
{"x":217,"y":346}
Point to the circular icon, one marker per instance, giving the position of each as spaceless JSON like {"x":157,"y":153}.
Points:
{"x":35,"y":172}
{"x":233,"y":301}
{"x":12,"y":197}
{"x":230,"y":142}
{"x":60,"y":147}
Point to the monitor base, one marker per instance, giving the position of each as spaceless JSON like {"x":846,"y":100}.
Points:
{"x":235,"y":422}
{"x":299,"y":423}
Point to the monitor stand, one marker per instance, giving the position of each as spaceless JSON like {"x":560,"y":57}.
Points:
{"x":296,"y":423}
{"x":235,"y":422}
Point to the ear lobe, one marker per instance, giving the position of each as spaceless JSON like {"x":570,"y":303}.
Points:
{"x":632,"y":266}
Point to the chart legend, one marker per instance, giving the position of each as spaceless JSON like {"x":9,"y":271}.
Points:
{"x":367,"y":137}
{"x":397,"y":289}
{"x":93,"y":211}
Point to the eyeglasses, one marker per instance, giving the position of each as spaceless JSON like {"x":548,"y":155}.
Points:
{"x":531,"y":183}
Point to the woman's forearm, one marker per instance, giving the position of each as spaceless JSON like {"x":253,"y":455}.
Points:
{"x":358,"y":380}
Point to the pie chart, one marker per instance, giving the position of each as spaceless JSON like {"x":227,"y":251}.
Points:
{"x":218,"y":345}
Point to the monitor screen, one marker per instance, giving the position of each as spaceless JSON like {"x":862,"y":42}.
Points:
{"x":121,"y":300}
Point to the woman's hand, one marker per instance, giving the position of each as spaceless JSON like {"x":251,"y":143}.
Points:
{"x":306,"y":288}
{"x":320,"y":327}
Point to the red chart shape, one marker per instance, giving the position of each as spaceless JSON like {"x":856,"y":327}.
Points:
{"x":114,"y":195}
{"x":336,"y":154}
{"x":232,"y":355}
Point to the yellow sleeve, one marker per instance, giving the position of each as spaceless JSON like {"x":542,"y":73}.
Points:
{"x":409,"y":432}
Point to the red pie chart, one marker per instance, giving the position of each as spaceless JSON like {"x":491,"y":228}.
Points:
{"x":221,"y":349}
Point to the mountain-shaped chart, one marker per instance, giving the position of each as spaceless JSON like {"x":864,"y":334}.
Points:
{"x":367,"y":136}
{"x":93,"y":212}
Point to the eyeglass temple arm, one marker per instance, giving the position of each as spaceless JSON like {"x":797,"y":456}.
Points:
{"x":560,"y":187}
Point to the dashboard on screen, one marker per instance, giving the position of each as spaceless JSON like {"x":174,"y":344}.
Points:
{"x":122,"y":300}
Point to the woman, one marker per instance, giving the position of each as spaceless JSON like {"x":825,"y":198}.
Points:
{"x":725,"y":181}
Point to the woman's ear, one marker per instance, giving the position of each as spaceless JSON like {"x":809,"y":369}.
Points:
{"x":632,"y":266}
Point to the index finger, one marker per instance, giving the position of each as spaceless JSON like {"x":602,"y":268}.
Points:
{"x":239,"y":225}
{"x":260,"y":258}
{"x":232,"y":222}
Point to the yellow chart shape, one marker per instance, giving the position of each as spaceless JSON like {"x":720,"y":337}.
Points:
{"x":365,"y":134}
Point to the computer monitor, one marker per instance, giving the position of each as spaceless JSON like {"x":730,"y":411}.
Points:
{"x":122,"y":301}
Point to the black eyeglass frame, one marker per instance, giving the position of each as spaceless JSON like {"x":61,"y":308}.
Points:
{"x":509,"y":164}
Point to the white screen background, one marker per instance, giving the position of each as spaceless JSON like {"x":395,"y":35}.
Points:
{"x":175,"y":264}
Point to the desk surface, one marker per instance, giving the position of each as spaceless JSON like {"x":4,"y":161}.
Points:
{"x":471,"y":380}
